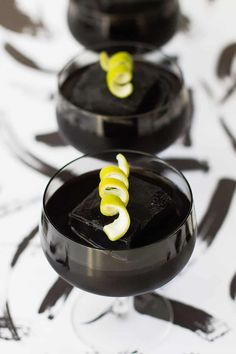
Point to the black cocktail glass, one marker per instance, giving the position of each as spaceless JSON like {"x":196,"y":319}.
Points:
{"x":98,"y":21}
{"x":107,"y":324}
{"x":163,"y":117}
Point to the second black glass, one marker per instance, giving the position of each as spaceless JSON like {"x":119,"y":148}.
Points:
{"x":151,"y":119}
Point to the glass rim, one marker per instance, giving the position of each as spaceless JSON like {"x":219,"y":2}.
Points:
{"x":97,"y":12}
{"x":65,"y":73}
{"x":159,"y":160}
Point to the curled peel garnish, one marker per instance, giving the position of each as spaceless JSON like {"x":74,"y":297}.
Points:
{"x":113,"y":190}
{"x":120,"y":74}
{"x":121,"y":58}
{"x":112,"y":186}
{"x":121,"y":91}
{"x":123,"y":164}
{"x":114,"y":172}
{"x":104,"y":61}
{"x":112,"y":205}
{"x":119,"y":68}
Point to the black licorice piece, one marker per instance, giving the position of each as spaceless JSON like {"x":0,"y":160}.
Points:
{"x":91,"y":93}
{"x":150,"y":208}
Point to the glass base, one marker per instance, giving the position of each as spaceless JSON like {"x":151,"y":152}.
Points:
{"x":112,"y":326}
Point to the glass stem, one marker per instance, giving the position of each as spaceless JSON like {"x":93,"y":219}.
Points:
{"x":121,"y":306}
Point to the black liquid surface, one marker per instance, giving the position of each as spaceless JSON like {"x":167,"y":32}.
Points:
{"x":91,"y":118}
{"x":154,"y":87}
{"x":155,"y":212}
{"x":93,"y":22}
{"x":134,"y":269}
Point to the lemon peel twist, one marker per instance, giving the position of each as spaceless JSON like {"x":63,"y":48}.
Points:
{"x":119,"y":69}
{"x":113,"y":190}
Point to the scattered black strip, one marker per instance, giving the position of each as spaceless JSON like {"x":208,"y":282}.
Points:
{"x":187,"y":140}
{"x":11,"y":323}
{"x":184,"y":23}
{"x":217,"y":210}
{"x":231,"y":90}
{"x":23,"y":245}
{"x":36,"y":164}
{"x":51,"y":96}
{"x":109,"y":310}
{"x":225,"y":61}
{"x":21,"y":58}
{"x":229,"y":134}
{"x":185,"y":316}
{"x":188,"y":164}
{"x":59,"y":290}
{"x":13,"y":19}
{"x":233,"y":288}
{"x":207,"y":88}
{"x":19,"y":151}
{"x":52,"y":139}
{"x":8,"y":330}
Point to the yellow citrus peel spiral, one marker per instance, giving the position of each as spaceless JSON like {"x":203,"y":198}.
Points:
{"x":113,"y":190}
{"x":119,"y":69}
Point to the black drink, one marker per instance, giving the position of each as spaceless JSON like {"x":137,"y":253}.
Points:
{"x":95,"y":22}
{"x":145,"y":259}
{"x":91,"y":119}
